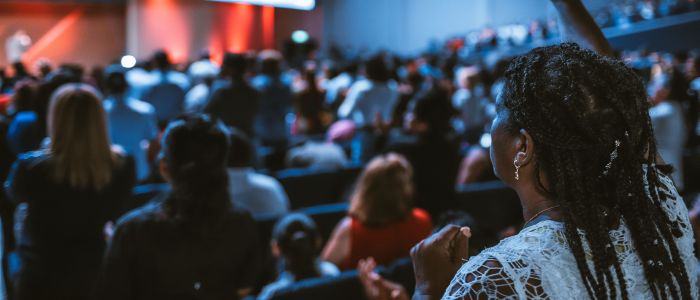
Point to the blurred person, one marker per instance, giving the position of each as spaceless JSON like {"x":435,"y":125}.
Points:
{"x":408,"y":91}
{"x":232,"y":99}
{"x":259,"y":194}
{"x":24,"y":133}
{"x":336,"y":87}
{"x":190,"y":242}
{"x":72,"y":189}
{"x":16,"y":45}
{"x":309,"y":105}
{"x":668,"y":121}
{"x":475,"y":167}
{"x":43,"y":68}
{"x":46,"y":90}
{"x":325,"y":155}
{"x":372,"y":97}
{"x":275,"y":101}
{"x":296,"y":242}
{"x":202,"y":74}
{"x":382,"y":222}
{"x":471,"y":103}
{"x":431,"y":147}
{"x":167,"y":89}
{"x":132,"y":123}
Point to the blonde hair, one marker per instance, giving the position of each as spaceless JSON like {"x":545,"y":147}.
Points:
{"x":80,"y":144}
{"x":384,"y":192}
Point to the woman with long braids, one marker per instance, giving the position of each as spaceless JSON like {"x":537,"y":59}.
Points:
{"x":573,"y":137}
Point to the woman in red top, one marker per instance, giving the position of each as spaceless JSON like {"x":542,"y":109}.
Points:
{"x":382,"y":222}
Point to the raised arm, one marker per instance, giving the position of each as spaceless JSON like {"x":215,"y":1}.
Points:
{"x":577,"y":25}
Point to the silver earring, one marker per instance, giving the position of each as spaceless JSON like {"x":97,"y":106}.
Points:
{"x":517,"y":169}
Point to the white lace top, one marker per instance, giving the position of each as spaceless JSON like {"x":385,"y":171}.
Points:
{"x":538,"y":264}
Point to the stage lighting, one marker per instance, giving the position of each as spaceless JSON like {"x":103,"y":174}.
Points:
{"x":485,"y":140}
{"x":300,"y":36}
{"x":128,"y":61}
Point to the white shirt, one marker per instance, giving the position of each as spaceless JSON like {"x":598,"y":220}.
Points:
{"x":366,"y":99}
{"x":196,"y":98}
{"x":335,"y":85}
{"x":132,"y":124}
{"x":257,"y":193}
{"x":473,"y":109}
{"x":540,"y":255}
{"x":317,"y":155}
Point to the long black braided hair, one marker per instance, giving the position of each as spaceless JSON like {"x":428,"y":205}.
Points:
{"x":580,"y":108}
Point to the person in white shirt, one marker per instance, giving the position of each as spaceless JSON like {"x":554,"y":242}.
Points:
{"x":370,"y":98}
{"x":167,"y":89}
{"x":668,"y":121}
{"x":16,"y":45}
{"x":132,"y":123}
{"x":202,"y":74}
{"x":256,"y":193}
{"x":472,"y":105}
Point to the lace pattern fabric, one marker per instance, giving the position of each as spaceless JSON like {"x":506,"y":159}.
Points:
{"x":538,"y":264}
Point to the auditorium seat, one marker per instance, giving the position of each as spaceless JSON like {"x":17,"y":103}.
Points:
{"x":326,"y":216}
{"x":346,"y":286}
{"x":146,"y":192}
{"x":493,"y":205}
{"x":310,"y":187}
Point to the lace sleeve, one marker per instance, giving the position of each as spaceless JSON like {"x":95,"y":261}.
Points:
{"x":486,"y":277}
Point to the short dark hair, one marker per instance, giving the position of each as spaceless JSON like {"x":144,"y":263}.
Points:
{"x":376,"y":69}
{"x":234,"y":64}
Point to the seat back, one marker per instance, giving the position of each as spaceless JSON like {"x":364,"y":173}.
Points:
{"x":493,"y":205}
{"x":311,"y":187}
{"x":346,"y":286}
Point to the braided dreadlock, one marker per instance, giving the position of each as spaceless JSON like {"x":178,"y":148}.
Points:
{"x":576,"y":105}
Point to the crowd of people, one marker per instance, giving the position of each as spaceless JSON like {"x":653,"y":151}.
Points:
{"x":73,"y":144}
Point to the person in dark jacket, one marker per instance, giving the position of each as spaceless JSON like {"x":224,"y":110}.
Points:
{"x":190,"y":244}
{"x":71,"y":190}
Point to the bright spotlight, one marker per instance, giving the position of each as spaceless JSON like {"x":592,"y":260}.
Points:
{"x":485,"y":140}
{"x":300,"y":36}
{"x":128,"y":61}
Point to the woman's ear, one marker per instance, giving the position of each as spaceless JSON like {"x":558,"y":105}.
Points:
{"x":525,"y":148}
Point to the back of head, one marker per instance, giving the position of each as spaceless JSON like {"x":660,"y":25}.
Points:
{"x":241,"y":155}
{"x":161,"y":60}
{"x":299,"y":242}
{"x":24,"y":97}
{"x":376,"y":69}
{"x":588,"y":117}
{"x":384,"y":192}
{"x":80,"y":142}
{"x":435,"y":109}
{"x":194,"y":152}
{"x":234,"y":65}
{"x":115,"y":80}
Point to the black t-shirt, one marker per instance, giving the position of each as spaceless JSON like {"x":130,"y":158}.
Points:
{"x":62,"y":239}
{"x":153,"y":256}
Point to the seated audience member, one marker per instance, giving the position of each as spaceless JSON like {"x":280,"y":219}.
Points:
{"x":72,"y":189}
{"x":190,"y":244}
{"x":232,"y":100}
{"x":323,"y":155}
{"x":371,"y":97}
{"x":202,"y":74}
{"x":24,"y":132}
{"x":296,"y":241}
{"x":667,"y":119}
{"x":256,"y":193}
{"x":275,"y":100}
{"x":470,"y":101}
{"x":132,"y":123}
{"x":309,"y":105}
{"x":167,"y":91}
{"x":382,"y":222}
{"x":431,"y":149}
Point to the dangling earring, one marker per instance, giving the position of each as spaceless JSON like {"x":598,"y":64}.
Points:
{"x":517,"y":169}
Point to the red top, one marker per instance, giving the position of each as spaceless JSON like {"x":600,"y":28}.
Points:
{"x":387,"y":243}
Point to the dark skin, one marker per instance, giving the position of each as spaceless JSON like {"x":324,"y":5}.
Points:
{"x":433,"y":261}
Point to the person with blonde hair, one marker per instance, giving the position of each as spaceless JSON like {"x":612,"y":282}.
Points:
{"x":72,"y":190}
{"x":382,"y":222}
